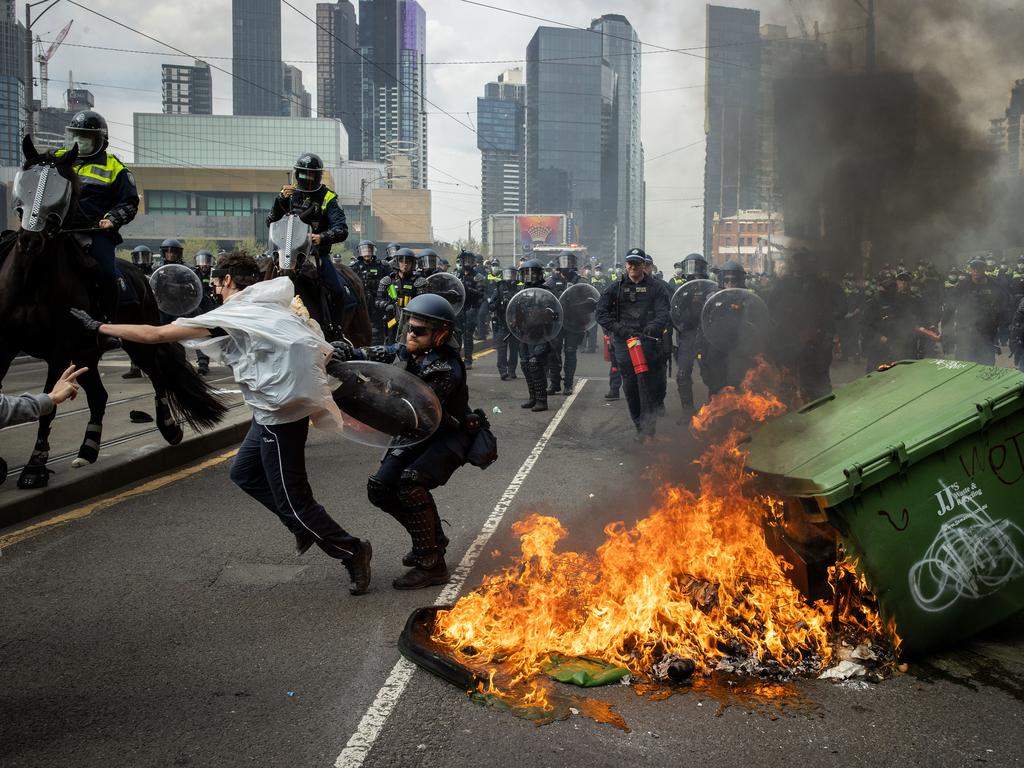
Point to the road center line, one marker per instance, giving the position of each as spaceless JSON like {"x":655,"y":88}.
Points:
{"x":372,"y":723}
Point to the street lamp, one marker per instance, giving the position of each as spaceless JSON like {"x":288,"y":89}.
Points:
{"x":29,"y":91}
{"x":869,"y":34}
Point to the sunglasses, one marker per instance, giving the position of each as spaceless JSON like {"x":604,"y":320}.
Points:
{"x":419,"y":331}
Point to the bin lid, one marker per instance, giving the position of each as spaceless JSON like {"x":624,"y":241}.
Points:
{"x":834,"y":448}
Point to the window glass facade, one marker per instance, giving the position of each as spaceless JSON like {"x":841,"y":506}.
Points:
{"x":12,"y":87}
{"x":256,"y":57}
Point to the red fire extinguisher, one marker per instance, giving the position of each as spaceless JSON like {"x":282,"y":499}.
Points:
{"x":636,"y":355}
{"x":607,"y":351}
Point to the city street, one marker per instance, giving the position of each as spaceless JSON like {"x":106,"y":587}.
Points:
{"x":176,"y":627}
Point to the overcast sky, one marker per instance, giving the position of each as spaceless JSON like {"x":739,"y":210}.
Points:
{"x":672,"y":104}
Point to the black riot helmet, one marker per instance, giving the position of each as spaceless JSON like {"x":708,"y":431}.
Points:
{"x":172,"y":251}
{"x":695,"y":267}
{"x":467,"y":259}
{"x":732,"y":275}
{"x":204,"y":259}
{"x":405,"y":255}
{"x":429,"y":260}
{"x":435,"y":311}
{"x":509,"y":274}
{"x":392,"y":249}
{"x":309,"y":173}
{"x":142,"y":256}
{"x":566,"y":260}
{"x":87,"y":129}
{"x":366,"y":248}
{"x":531,"y":272}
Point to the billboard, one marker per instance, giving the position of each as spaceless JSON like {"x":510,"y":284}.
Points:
{"x":539,"y":229}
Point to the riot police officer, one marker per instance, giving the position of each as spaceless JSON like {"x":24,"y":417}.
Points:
{"x":980,"y":307}
{"x":726,"y":367}
{"x":391,"y":250}
{"x":402,"y":484}
{"x":564,"y":347}
{"x":475,"y":284}
{"x":396,"y":290}
{"x":534,"y":357}
{"x":429,"y":262}
{"x":327,"y":219}
{"x":203,"y":267}
{"x":634,"y":312}
{"x":107,"y":199}
{"x":688,"y":338}
{"x":371,"y":272}
{"x":506,"y":345}
{"x":142,"y":257}
{"x":172,"y":251}
{"x":891,"y":320}
{"x":492,"y":274}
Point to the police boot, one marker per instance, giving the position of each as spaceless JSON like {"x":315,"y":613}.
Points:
{"x":424,"y":526}
{"x":568,"y":386}
{"x":530,"y":384}
{"x":540,"y":387}
{"x":556,"y":386}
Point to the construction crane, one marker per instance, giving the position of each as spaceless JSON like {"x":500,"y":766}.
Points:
{"x":799,"y":20}
{"x":44,"y":60}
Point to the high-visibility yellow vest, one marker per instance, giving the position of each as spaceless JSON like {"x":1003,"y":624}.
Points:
{"x":102,"y":173}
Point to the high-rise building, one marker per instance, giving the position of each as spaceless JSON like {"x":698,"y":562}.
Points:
{"x":392,"y":44}
{"x":1013,"y":133}
{"x":572,"y":135}
{"x":501,"y":139}
{"x":187,"y":89}
{"x":338,"y":68}
{"x":295,"y":99}
{"x":51,"y":121}
{"x":12,"y":84}
{"x":733,"y":100}
{"x":256,"y":57}
{"x":621,"y":46}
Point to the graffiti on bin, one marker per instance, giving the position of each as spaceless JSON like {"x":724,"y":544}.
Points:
{"x":1005,"y":459}
{"x":972,"y":556}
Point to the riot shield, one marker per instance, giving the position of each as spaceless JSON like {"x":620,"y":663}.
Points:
{"x":385,"y":406}
{"x":534,"y":315}
{"x":735,"y":320}
{"x":688,"y":301}
{"x":448,"y":285}
{"x":177,"y":289}
{"x":579,"y":307}
{"x":289,"y":238}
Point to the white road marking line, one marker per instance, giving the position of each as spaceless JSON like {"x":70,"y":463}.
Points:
{"x":362,"y":741}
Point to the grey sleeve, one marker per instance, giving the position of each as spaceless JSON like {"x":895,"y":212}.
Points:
{"x":18,"y":410}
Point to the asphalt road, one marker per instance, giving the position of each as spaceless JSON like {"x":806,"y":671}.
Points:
{"x":176,"y":628}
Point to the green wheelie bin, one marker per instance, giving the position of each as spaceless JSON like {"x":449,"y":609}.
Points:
{"x":920,"y":468}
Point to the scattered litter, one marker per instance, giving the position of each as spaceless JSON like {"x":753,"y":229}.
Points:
{"x":139,"y":417}
{"x":495,"y":410}
{"x":291,"y":693}
{"x":844,"y":670}
{"x":904,"y":668}
{"x":678,"y":669}
{"x":574,"y":710}
{"x":420,"y":747}
{"x":584,"y":671}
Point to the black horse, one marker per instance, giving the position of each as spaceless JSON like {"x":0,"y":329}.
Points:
{"x":45,"y":271}
{"x":334,"y":321}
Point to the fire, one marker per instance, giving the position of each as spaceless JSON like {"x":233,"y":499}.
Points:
{"x":693,"y":578}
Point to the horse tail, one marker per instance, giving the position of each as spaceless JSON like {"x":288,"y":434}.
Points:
{"x":191,"y":399}
{"x":359,"y":328}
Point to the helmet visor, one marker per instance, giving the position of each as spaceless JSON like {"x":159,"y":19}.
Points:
{"x":41,"y":194}
{"x":89,"y":140}
{"x":428,"y":261}
{"x":567,"y":261}
{"x":308,"y":180}
{"x":367,"y":250}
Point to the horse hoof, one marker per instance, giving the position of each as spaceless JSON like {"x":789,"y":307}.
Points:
{"x":172,"y":433}
{"x":80,"y":462}
{"x":32,"y":478}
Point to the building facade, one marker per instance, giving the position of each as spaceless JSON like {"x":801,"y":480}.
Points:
{"x":621,"y":46}
{"x":733,"y":100}
{"x":392,"y":46}
{"x":256,"y":57}
{"x":501,"y":139}
{"x":51,"y":121}
{"x":12,"y":84}
{"x":571,"y":135}
{"x":338,"y":69}
{"x":187,"y":89}
{"x":1008,"y":134}
{"x":229,"y":141}
{"x":295,"y":101}
{"x":746,"y":237}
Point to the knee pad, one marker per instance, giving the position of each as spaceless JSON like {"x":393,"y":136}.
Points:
{"x":411,"y":495}
{"x":379,"y":494}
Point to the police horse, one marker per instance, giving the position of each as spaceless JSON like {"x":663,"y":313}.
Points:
{"x":45,"y":271}
{"x":295,"y":257}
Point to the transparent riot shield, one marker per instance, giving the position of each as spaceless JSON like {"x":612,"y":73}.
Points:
{"x":178,"y":290}
{"x":579,"y":307}
{"x":736,"y":320}
{"x":688,"y":301}
{"x":534,"y":315}
{"x":450,"y":287}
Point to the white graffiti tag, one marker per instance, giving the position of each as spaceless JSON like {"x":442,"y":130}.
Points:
{"x":972,"y":556}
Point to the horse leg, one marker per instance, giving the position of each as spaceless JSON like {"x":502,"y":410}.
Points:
{"x":36,"y":474}
{"x":96,"y":394}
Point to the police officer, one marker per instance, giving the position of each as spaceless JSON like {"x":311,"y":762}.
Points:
{"x":726,"y":367}
{"x":402,"y":484}
{"x":172,"y":251}
{"x":492,"y":274}
{"x":327,"y":220}
{"x":371,"y":272}
{"x":204,"y":265}
{"x":891,"y":320}
{"x":635,"y":311}
{"x":565,"y":346}
{"x":504,"y":342}
{"x":980,"y":306}
{"x":534,"y":357}
{"x":142,"y":257}
{"x":396,"y":290}
{"x":1017,"y":336}
{"x":679,"y":273}
{"x":474,"y":284}
{"x":107,"y":199}
{"x":391,"y":250}
{"x":658,"y":383}
{"x":688,"y":338}
{"x":429,"y":262}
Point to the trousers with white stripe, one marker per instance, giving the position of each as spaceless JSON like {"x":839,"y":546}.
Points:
{"x":271,"y":467}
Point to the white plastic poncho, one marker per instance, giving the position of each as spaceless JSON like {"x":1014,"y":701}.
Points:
{"x":277,"y":359}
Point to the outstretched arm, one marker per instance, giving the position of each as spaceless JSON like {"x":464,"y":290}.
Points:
{"x":141,"y":334}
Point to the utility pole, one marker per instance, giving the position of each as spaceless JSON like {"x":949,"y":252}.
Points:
{"x":869,"y":41}
{"x":30,"y":113}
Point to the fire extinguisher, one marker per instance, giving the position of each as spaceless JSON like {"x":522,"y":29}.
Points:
{"x":636,"y":355}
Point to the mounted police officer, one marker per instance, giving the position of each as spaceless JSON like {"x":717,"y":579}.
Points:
{"x":534,"y":357}
{"x":635,"y":311}
{"x":396,"y":290}
{"x":107,"y":200}
{"x":504,"y":342}
{"x":566,"y":343}
{"x":371,"y":272}
{"x":475,"y":286}
{"x":402,"y":484}
{"x":326,"y":220}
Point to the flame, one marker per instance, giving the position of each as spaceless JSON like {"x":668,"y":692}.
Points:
{"x":694,"y":577}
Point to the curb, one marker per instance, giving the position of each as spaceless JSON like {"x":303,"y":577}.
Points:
{"x":138,"y":464}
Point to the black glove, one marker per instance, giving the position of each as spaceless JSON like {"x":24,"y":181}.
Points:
{"x":343,"y":351}
{"x":88,"y":321}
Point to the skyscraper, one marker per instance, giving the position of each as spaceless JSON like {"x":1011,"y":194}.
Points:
{"x":572,"y":134}
{"x":338,"y":68}
{"x":187,"y":89}
{"x":12,"y":84}
{"x":256,"y":57}
{"x":295,"y":99}
{"x":393,"y":42}
{"x":501,"y":139}
{"x":621,"y":47}
{"x":732,"y":91}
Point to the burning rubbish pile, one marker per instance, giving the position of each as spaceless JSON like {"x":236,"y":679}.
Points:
{"x":690,"y":589}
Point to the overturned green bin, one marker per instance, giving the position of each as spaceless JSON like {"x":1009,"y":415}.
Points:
{"x":920,"y":467}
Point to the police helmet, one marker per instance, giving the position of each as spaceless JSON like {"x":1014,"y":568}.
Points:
{"x":366,"y":248}
{"x":531,"y":272}
{"x":392,"y":249}
{"x":429,"y":259}
{"x":405,"y":254}
{"x":204,"y":259}
{"x":431,"y":306}
{"x":142,"y":256}
{"x":567,"y":260}
{"x":309,"y":172}
{"x":87,"y":129}
{"x":172,"y":248}
{"x":636,"y":256}
{"x":977,"y":261}
{"x":732,"y":275}
{"x":467,"y":259}
{"x":510,"y":274}
{"x":337,"y":258}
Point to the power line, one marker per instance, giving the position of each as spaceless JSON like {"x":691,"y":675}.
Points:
{"x":677,"y":149}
